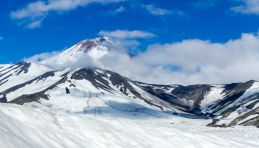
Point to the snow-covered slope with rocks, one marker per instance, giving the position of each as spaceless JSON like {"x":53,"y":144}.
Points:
{"x":228,"y":105}
{"x":93,"y":107}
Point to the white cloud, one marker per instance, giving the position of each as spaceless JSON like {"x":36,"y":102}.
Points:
{"x":127,"y":39}
{"x":126,"y":34}
{"x":160,"y":11}
{"x":206,"y":62}
{"x":41,"y":8}
{"x":200,"y":61}
{"x":247,"y":7}
{"x":36,"y":11}
{"x":34,"y":24}
{"x":42,"y":56}
{"x":120,"y":9}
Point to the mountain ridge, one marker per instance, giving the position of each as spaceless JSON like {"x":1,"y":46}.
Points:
{"x":25,"y":82}
{"x":173,"y":99}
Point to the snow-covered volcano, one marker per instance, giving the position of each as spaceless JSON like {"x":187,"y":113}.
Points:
{"x":95,"y":48}
{"x":94,"y":107}
{"x":83,"y":54}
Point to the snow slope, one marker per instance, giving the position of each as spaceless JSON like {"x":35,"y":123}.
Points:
{"x":213,"y":96}
{"x":35,"y":125}
{"x":12,"y":75}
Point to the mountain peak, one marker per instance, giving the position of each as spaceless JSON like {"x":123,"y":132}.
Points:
{"x":95,"y":48}
{"x":82,"y":54}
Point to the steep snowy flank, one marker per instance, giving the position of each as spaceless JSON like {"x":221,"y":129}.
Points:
{"x":212,"y":97}
{"x":93,"y":82}
{"x":243,"y":110}
{"x":13,"y":75}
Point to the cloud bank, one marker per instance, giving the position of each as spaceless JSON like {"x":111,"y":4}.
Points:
{"x":207,"y":62}
{"x":187,"y":62}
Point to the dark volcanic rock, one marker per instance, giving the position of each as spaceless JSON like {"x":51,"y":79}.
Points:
{"x":186,"y":98}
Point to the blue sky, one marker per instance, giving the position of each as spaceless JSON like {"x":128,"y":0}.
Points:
{"x":172,"y":41}
{"x":169,"y":20}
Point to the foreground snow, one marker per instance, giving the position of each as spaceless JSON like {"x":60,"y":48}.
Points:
{"x":35,"y":125}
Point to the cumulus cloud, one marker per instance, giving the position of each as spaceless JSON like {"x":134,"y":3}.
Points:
{"x":36,"y":11}
{"x":247,"y":7}
{"x":199,"y":61}
{"x":187,"y":62}
{"x":43,"y":56}
{"x":126,"y":34}
{"x":207,"y":62}
{"x":60,"y":61}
